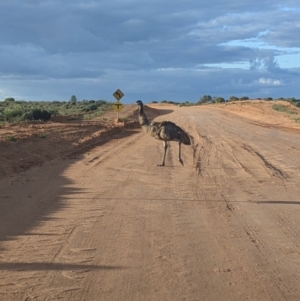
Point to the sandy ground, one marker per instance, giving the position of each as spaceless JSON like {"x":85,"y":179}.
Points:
{"x":85,"y":213}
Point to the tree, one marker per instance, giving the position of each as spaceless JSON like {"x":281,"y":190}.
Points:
{"x":218,"y":99}
{"x":9,"y":99}
{"x":244,"y":98}
{"x":73,"y":100}
{"x":205,"y":99}
{"x":233,"y":98}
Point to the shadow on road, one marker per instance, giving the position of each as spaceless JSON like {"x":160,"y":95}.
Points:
{"x":42,"y":266}
{"x":280,"y":202}
{"x":26,"y":201}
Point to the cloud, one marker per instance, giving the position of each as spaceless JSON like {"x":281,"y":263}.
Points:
{"x":157,"y":49}
{"x":270,"y":81}
{"x":264,"y":63}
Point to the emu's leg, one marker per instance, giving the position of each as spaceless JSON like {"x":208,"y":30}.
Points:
{"x":165,"y":151}
{"x":179,"y":155}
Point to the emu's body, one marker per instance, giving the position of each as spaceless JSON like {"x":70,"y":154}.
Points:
{"x":165,"y":131}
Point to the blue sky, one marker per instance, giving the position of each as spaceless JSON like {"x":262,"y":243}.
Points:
{"x":151,"y":50}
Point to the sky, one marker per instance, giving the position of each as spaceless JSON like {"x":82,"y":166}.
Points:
{"x":177,"y":50}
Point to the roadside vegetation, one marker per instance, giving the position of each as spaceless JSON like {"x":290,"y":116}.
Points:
{"x":20,"y":111}
{"x":12,"y":111}
{"x":208,"y":99}
{"x":284,"y":109}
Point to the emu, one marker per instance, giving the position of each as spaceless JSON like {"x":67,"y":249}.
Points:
{"x":165,"y":131}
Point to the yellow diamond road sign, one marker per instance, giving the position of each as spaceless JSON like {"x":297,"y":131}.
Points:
{"x":117,"y":106}
{"x":118,"y":94}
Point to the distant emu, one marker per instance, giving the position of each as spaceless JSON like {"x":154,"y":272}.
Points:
{"x":165,"y":131}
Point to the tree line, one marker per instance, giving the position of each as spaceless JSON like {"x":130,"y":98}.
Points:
{"x":207,"y":99}
{"x":16,"y":111}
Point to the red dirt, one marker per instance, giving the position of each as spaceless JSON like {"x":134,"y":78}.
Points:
{"x":85,"y":213}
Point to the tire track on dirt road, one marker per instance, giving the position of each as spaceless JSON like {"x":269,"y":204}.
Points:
{"x":130,"y":230}
{"x":268,"y":230}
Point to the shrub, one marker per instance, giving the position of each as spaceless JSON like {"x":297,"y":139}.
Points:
{"x":297,"y":120}
{"x":204,"y":99}
{"x":284,"y":109}
{"x":280,"y":108}
{"x":244,"y":98}
{"x":11,"y":113}
{"x":27,"y":116}
{"x":186,"y":103}
{"x":10,"y":138}
{"x":9,"y":99}
{"x":73,"y":100}
{"x":91,"y":107}
{"x":233,"y":98}
{"x":53,"y":112}
{"x":42,"y":135}
{"x":38,"y":114}
{"x":219,"y":99}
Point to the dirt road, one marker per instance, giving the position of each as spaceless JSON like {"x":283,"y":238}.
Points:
{"x":109,"y":224}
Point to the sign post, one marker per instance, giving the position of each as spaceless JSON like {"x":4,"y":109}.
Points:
{"x":117,"y":106}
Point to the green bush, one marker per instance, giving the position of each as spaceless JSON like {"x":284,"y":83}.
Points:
{"x":102,"y":102}
{"x":218,"y":99}
{"x":73,"y":100}
{"x":42,"y":135}
{"x":17,"y":111}
{"x":284,"y":109}
{"x":233,"y":98}
{"x":9,"y":99}
{"x":27,"y":116}
{"x":53,"y":112}
{"x":91,"y":107}
{"x":10,"y":138}
{"x":280,"y":108}
{"x":12,"y":113}
{"x":204,"y":99}
{"x":38,"y":114}
{"x":297,"y":120}
{"x":244,"y":98}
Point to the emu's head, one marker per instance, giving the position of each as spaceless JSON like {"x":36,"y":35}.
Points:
{"x":139,"y":103}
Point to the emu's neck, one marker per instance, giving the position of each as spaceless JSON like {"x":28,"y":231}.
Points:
{"x":142,"y":117}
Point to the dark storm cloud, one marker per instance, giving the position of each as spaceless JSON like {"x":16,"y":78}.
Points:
{"x":159,"y":49}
